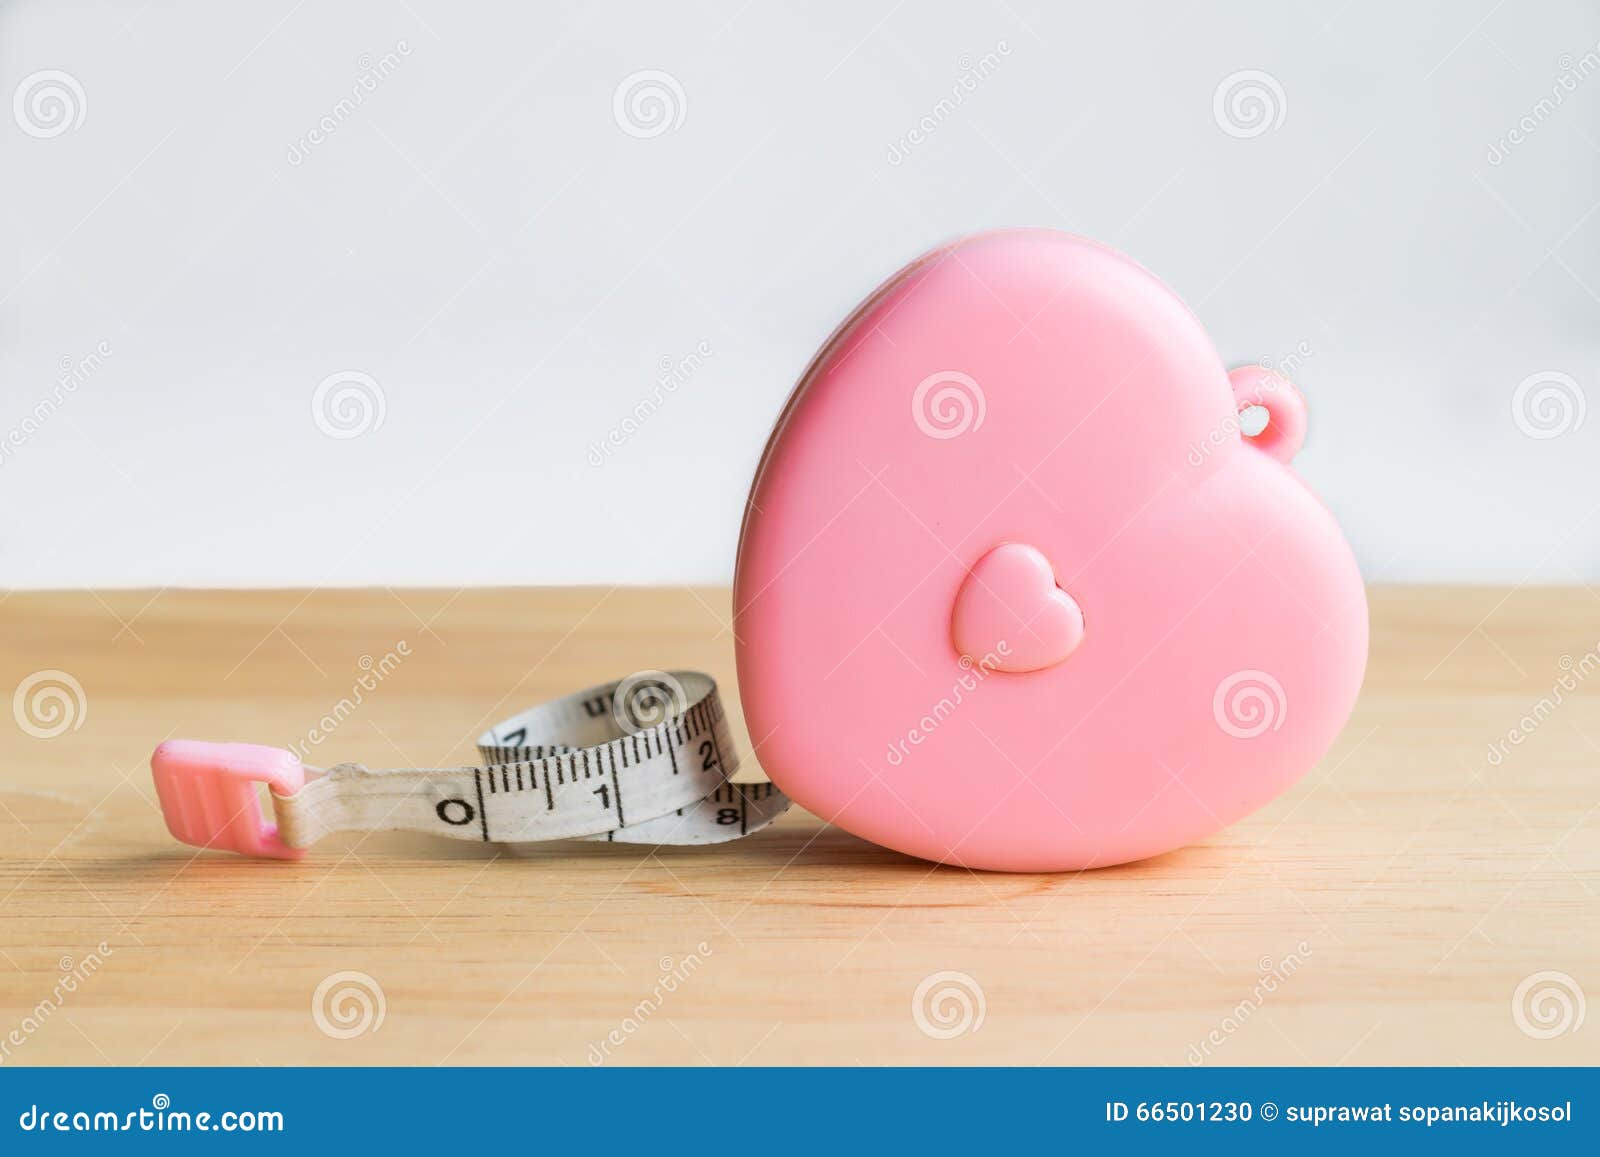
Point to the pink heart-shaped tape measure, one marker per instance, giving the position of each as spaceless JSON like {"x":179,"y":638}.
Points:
{"x":1016,"y":431}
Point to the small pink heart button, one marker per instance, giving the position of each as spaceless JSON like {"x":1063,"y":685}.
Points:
{"x":1011,"y":616}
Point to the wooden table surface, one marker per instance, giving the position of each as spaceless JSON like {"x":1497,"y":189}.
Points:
{"x":1385,"y":910}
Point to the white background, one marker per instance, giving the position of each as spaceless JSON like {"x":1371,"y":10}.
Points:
{"x":484,"y":239}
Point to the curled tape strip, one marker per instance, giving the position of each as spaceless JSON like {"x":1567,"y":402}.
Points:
{"x":645,"y":760}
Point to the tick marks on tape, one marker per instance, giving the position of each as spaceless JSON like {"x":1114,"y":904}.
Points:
{"x":554,"y":768}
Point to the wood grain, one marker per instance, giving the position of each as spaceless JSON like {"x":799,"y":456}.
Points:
{"x":1414,"y":880}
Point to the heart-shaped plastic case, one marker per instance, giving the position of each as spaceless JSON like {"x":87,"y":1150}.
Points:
{"x":1014,"y":590}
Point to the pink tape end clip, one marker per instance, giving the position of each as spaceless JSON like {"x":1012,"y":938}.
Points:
{"x":208,"y":794}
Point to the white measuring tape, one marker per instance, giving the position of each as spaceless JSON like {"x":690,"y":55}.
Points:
{"x":645,"y":760}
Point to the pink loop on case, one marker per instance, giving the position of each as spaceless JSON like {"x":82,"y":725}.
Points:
{"x":1285,"y":431}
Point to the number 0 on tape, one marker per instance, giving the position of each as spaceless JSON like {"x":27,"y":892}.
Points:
{"x":1015,"y":590}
